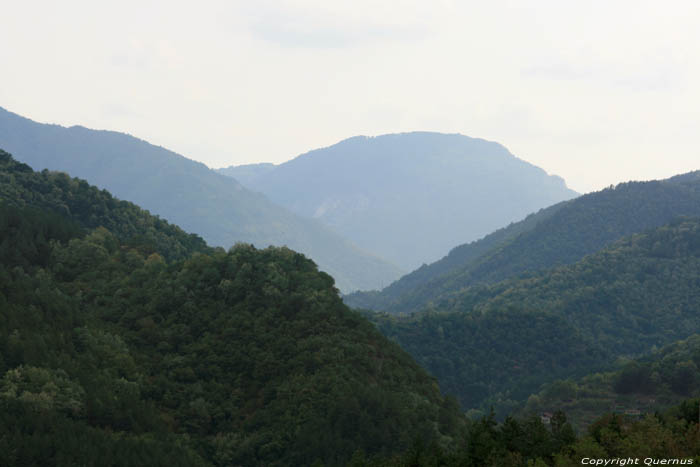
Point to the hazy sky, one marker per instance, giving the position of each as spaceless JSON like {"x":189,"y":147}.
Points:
{"x":595,"y":91}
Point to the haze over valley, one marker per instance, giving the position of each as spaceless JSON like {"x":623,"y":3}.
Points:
{"x":574,"y":288}
{"x":408,"y":197}
{"x":378,"y":234}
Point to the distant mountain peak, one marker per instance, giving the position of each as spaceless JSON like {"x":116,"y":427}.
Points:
{"x":409,"y":197}
{"x":188,"y":193}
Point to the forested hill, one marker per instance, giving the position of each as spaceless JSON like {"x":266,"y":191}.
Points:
{"x":108,"y":350}
{"x":189,"y":194}
{"x":638,"y":293}
{"x":561,"y":234}
{"x":405,"y":294}
{"x":89,"y":208}
{"x":641,"y":386}
{"x":408,"y":197}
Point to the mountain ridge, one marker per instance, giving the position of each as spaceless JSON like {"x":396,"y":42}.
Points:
{"x":189,"y":194}
{"x":408,"y":197}
{"x":566,"y":321}
{"x":149,"y":346}
{"x":560,"y":234}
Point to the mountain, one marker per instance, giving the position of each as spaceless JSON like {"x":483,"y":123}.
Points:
{"x":90,"y":208}
{"x":408,"y":197}
{"x":246,"y":357}
{"x":649,"y":384}
{"x":188,"y":193}
{"x":413,"y":292}
{"x":560,"y":234}
{"x":568,"y":321}
{"x":143,"y":346}
{"x":247,"y":174}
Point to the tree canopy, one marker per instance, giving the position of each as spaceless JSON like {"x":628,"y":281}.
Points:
{"x":119,"y":332}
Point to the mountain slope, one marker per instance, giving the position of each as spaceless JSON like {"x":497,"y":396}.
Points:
{"x":409,"y":293}
{"x":247,"y":174}
{"x":649,"y":384}
{"x":638,"y":293}
{"x":90,"y":208}
{"x":245,"y":357}
{"x":188,"y":193}
{"x":561,"y":234}
{"x":408,"y":197}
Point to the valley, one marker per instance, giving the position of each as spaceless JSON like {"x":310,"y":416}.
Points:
{"x":126,"y":331}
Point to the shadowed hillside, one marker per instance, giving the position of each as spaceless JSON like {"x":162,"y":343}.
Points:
{"x":245,"y":357}
{"x":496,"y":344}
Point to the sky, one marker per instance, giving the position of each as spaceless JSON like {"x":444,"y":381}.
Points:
{"x":598,"y":92}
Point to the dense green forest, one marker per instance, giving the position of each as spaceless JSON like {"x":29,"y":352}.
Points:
{"x":671,"y":437}
{"x":648,"y":384}
{"x":639,"y":293}
{"x":126,"y":341}
{"x":90,"y":208}
{"x":559,"y":235}
{"x":115,"y":350}
{"x":190,"y":194}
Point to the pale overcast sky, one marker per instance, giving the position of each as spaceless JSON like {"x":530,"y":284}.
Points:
{"x":598,"y":92}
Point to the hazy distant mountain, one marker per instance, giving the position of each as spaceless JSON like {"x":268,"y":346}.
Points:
{"x":248,"y":174}
{"x":189,"y":194}
{"x":408,"y":197}
{"x":560,"y":234}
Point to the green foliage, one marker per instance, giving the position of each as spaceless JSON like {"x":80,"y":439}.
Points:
{"x":183,"y":191}
{"x":559,"y":235}
{"x":532,"y":443}
{"x":522,"y":348}
{"x":410,"y":291}
{"x":648,"y":384}
{"x":32,"y":437}
{"x":659,"y":436}
{"x":115,"y":352}
{"x":110,"y":342}
{"x":85,"y":205}
{"x":43,"y":389}
{"x":639,"y":293}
